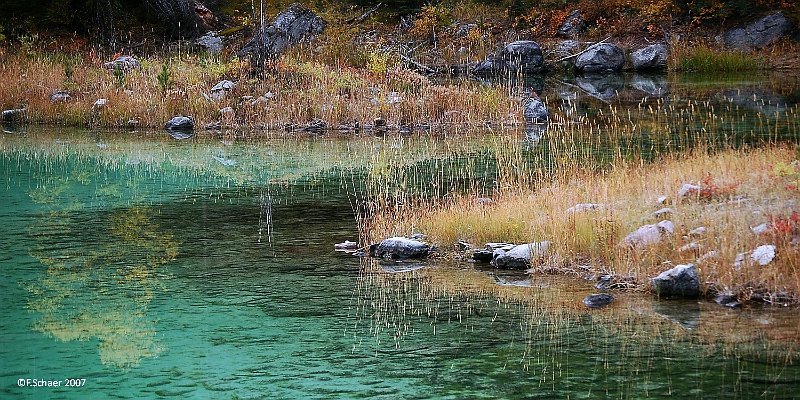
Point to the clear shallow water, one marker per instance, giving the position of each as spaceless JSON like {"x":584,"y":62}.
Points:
{"x":155,"y":268}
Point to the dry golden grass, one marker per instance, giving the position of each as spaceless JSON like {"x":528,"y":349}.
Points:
{"x":748,"y":193}
{"x":303,"y":90}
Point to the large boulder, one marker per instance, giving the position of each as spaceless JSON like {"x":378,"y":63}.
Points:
{"x":681,"y":281}
{"x":210,"y":42}
{"x":397,"y":248}
{"x":649,"y":235}
{"x":572,"y":26}
{"x":523,"y":56}
{"x":293,"y":25}
{"x":180,"y":123}
{"x":601,"y":57}
{"x":758,"y":34}
{"x":534,"y":110}
{"x":650,"y":57}
{"x":519,"y":257}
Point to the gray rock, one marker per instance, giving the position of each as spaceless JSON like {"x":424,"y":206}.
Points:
{"x":523,"y":56}
{"x":601,"y":57}
{"x":228,"y":112}
{"x":211,"y":42}
{"x":16,"y":114}
{"x":598,"y":300}
{"x":293,"y":25}
{"x":650,"y":57}
{"x":758,"y":34}
{"x":727,"y":299}
{"x":60,"y":96}
{"x":397,"y":248}
{"x":739,"y":261}
{"x":681,"y":281}
{"x":483,"y":256}
{"x":221,"y":89}
{"x":125,"y":63}
{"x":688,"y":189}
{"x":99,"y":103}
{"x":463,"y":30}
{"x":707,"y":257}
{"x":664,"y":212}
{"x":534,"y":110}
{"x":648,"y":235}
{"x":763,"y":255}
{"x":180,"y":123}
{"x":572,"y":26}
{"x":567,"y":47}
{"x":699,"y":231}
{"x":760,"y":229}
{"x":519,"y":257}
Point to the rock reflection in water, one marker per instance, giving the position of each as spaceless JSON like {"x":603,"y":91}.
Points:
{"x":604,"y":87}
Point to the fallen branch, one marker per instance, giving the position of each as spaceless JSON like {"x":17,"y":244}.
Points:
{"x":419,"y":66}
{"x":581,"y":52}
{"x":364,"y":16}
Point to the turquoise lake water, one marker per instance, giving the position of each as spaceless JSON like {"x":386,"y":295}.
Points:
{"x":146,"y":267}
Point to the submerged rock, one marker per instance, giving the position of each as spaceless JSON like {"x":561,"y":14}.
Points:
{"x":727,"y":299}
{"x":346,"y":246}
{"x":602,"y":57}
{"x":681,"y":281}
{"x":758,"y":34}
{"x":519,"y":257}
{"x":650,"y":57}
{"x":648,"y":235}
{"x":180,"y":123}
{"x":598,"y":300}
{"x":398,"y":247}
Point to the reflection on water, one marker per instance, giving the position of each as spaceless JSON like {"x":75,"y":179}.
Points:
{"x":205,"y":269}
{"x":98,"y":283}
